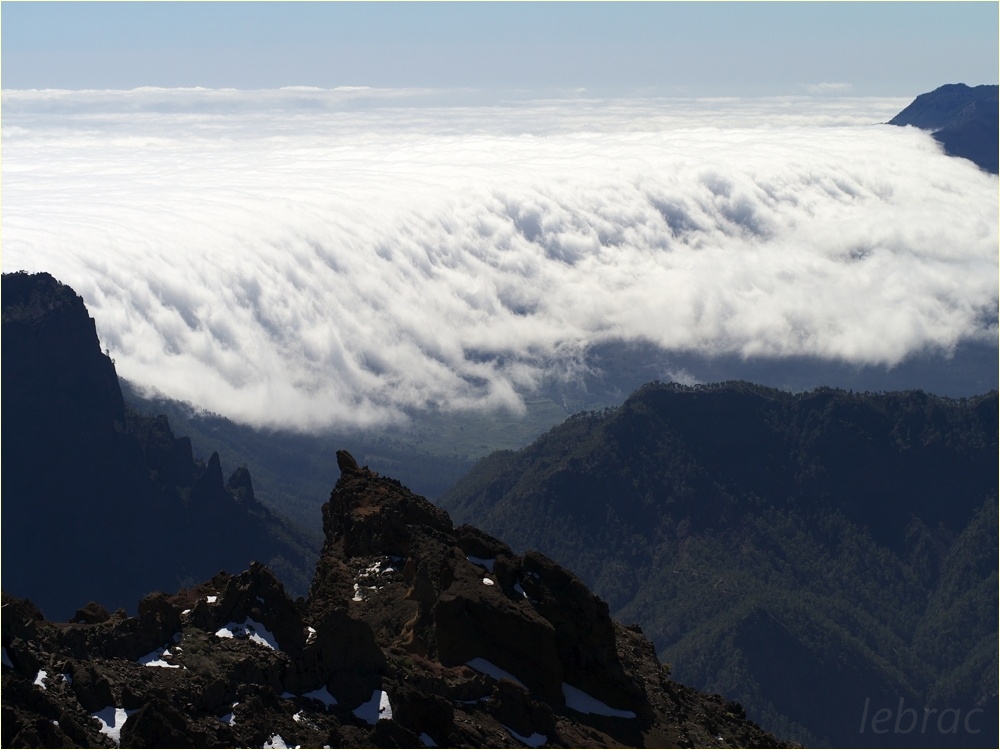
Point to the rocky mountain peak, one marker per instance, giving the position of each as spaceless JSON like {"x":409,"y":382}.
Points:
{"x":963,"y":119}
{"x":415,"y":633}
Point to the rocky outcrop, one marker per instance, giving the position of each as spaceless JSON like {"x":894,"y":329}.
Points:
{"x":415,"y":633}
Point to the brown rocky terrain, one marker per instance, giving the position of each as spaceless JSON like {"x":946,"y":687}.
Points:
{"x":415,"y":633}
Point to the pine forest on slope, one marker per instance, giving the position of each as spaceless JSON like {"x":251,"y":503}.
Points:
{"x":799,"y":552}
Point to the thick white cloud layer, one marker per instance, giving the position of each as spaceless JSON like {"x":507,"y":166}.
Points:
{"x":304,"y":258}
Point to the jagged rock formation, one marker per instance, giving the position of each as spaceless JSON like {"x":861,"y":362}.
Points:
{"x":964,"y":119}
{"x":101,"y":502}
{"x":415,"y":634}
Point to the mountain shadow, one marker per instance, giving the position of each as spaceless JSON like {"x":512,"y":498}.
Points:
{"x":99,"y":501}
{"x":815,"y":556}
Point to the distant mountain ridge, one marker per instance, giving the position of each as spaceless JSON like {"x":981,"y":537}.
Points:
{"x":101,"y":502}
{"x":964,"y":119}
{"x":800,"y":552}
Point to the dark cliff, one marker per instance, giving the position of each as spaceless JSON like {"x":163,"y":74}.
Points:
{"x":964,"y":119}
{"x":415,"y":633}
{"x":101,"y":502}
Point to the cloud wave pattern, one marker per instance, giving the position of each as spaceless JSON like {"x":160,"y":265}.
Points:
{"x":304,"y":258}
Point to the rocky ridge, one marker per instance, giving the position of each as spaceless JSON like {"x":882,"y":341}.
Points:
{"x":414,"y":633}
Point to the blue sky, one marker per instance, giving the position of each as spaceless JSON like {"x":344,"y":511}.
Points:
{"x":698,"y":49}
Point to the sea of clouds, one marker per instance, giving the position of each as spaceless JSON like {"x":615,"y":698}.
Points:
{"x":303,"y":258}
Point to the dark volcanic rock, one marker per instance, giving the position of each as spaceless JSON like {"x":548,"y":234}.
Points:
{"x":964,"y":119}
{"x":415,"y":633}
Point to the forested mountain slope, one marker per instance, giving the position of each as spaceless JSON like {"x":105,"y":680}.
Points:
{"x":802,"y":553}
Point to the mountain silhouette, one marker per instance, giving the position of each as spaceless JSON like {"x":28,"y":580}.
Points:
{"x":964,"y":119}
{"x":100,"y":502}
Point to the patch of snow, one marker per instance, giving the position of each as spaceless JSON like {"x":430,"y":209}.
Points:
{"x":357,"y":594}
{"x":427,"y":740}
{"x":229,"y":718}
{"x":186,"y":612}
{"x":67,"y":678}
{"x":152,"y":659}
{"x":275,"y":742}
{"x":489,"y":668}
{"x":321,"y":694}
{"x":311,"y":634}
{"x":481,"y":561}
{"x":588,"y":704}
{"x":297,"y":716}
{"x":487,"y":582}
{"x":377,"y":708}
{"x":112,"y":719}
{"x":40,"y":679}
{"x":212,"y":599}
{"x":535,"y":740}
{"x":251,"y":629}
{"x":384,"y":707}
{"x":6,"y":659}
{"x":518,"y":589}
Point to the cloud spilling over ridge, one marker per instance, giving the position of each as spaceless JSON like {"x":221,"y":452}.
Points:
{"x":291,"y":264}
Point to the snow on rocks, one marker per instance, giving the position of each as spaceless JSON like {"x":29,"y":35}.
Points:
{"x":155,"y":659}
{"x":489,"y":668}
{"x":251,"y":629}
{"x":112,"y":719}
{"x":40,"y":679}
{"x":535,"y":740}
{"x":321,"y":694}
{"x":376,"y":708}
{"x":229,"y":718}
{"x":487,"y":582}
{"x":588,"y":704}
{"x":370,"y":575}
{"x":276,"y":742}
